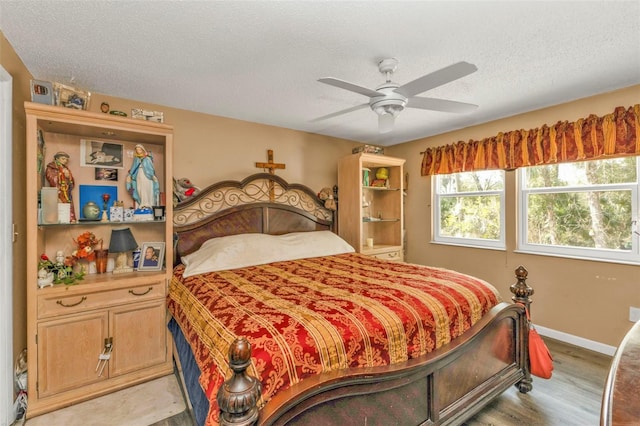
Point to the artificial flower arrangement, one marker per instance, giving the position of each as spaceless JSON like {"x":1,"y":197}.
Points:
{"x":86,"y":243}
{"x":60,"y":272}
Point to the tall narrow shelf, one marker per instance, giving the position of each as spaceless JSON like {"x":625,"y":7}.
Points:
{"x":68,"y":326}
{"x":371,"y":212}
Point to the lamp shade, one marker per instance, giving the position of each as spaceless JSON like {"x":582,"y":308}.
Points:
{"x":122,"y":241}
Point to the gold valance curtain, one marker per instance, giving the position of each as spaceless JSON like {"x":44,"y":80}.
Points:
{"x":612,"y":135}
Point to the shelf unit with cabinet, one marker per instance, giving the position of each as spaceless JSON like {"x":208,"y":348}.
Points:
{"x":371,"y":208}
{"x":121,"y":316}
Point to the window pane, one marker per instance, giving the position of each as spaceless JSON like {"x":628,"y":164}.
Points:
{"x":489,"y":180}
{"x":592,"y":219}
{"x":470,"y":217}
{"x":597,"y":172}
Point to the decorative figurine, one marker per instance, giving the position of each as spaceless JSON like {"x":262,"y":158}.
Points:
{"x":45,"y":278}
{"x":141,"y":181}
{"x":59,"y":176}
{"x":59,"y":258}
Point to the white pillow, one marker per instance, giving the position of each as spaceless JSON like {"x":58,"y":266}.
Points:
{"x":238,"y":251}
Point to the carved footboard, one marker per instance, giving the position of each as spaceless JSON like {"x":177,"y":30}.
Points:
{"x":446,"y":386}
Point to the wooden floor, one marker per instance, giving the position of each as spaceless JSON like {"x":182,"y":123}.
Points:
{"x":572,"y":397}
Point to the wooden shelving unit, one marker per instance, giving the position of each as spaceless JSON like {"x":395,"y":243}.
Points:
{"x":69,"y":326}
{"x":370,"y":211}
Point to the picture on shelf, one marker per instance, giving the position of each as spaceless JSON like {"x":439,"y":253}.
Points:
{"x":106,"y":174}
{"x":95,"y":153}
{"x":42,"y":92}
{"x":41,"y":152}
{"x":70,"y":97}
{"x":97,"y":194}
{"x":158,"y":212}
{"x":151,"y":256}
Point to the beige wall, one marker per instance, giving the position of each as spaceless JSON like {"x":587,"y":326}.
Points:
{"x":21,"y":92}
{"x":587,"y":299}
{"x":210,"y":148}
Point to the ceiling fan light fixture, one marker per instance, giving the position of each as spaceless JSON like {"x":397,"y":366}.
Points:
{"x":389,"y":109}
{"x":391,"y":103}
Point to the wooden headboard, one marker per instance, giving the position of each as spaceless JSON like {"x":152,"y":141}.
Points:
{"x":261,"y":203}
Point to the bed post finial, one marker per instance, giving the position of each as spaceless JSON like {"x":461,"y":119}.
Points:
{"x":238,"y":397}
{"x":521,"y":290}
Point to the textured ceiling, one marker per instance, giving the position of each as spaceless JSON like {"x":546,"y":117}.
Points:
{"x":260,"y":61}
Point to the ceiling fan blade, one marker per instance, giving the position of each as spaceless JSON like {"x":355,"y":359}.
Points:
{"x":385,"y":123}
{"x":335,"y":114}
{"x":436,"y":78}
{"x":350,"y":86}
{"x":440,"y":105}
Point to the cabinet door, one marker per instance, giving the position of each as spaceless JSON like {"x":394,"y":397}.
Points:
{"x":68,"y":351}
{"x":139,"y":337}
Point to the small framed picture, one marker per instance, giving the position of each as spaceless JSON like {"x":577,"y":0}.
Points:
{"x":42,"y":92}
{"x":158,"y":212}
{"x":151,"y":256}
{"x":106,"y":174}
{"x":70,"y":97}
{"x":101,"y":154}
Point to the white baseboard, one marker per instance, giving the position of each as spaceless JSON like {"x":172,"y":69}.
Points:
{"x":576,"y":341}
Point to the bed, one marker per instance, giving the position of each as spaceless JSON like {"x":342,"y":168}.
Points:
{"x":312,"y":338}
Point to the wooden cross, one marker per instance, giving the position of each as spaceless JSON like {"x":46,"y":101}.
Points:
{"x":272,"y":167}
{"x":270,"y":164}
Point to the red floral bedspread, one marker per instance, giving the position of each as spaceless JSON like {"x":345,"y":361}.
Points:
{"x":313,"y":315}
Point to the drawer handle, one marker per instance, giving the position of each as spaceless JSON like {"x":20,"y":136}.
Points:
{"x":61,"y":303}
{"x":141,"y":294}
{"x":394,"y":254}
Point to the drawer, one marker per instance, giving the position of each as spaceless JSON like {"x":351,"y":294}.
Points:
{"x":55,"y":305}
{"x":395,"y":255}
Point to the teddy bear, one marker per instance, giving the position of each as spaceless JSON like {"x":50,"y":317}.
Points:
{"x":183,"y":189}
{"x":326,"y":195}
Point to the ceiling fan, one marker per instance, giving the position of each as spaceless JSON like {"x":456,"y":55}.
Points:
{"x":389,"y":99}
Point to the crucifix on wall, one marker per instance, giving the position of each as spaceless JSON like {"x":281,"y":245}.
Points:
{"x":272,"y":167}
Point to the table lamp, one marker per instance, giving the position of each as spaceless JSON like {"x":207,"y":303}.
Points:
{"x":122,"y":242}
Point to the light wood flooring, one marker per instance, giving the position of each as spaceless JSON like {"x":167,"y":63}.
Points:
{"x":572,"y":397}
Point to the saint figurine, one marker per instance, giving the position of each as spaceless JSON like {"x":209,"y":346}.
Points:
{"x":141,"y":181}
{"x":59,"y":176}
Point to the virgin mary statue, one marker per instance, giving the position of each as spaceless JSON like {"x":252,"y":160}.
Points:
{"x":142,"y":182}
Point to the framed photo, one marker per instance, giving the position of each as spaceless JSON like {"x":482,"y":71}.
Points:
{"x":70,"y":97}
{"x":151,"y":256}
{"x":41,"y":152}
{"x":143,"y":114}
{"x":158,"y":212}
{"x":101,"y":154}
{"x":42,"y":92}
{"x":106,"y":174}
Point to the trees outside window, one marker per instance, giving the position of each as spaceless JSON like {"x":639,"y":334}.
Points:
{"x":469,"y":208}
{"x":584,"y":209}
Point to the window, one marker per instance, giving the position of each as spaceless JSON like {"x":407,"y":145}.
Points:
{"x":586,"y":209}
{"x":469,"y":208}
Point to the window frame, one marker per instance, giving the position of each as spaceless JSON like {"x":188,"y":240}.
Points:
{"x":586,"y":253}
{"x":437,"y":237}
